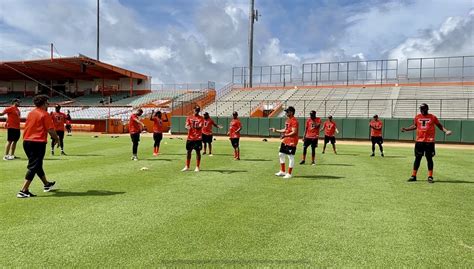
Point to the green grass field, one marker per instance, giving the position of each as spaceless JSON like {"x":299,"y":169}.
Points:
{"x":350,"y":210}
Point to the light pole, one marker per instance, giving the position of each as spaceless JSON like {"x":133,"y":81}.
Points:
{"x":98,"y":24}
{"x":253,"y":16}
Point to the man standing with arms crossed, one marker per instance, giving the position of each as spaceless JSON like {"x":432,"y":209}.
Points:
{"x":289,"y":142}
{"x":376,"y":134}
{"x":13,"y":129}
{"x":194,"y":125}
{"x":311,"y":136}
{"x":35,"y":137}
{"x":425,"y":124}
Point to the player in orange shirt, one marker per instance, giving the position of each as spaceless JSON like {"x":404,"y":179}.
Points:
{"x":157,"y":130}
{"x":235,"y":127}
{"x":330,"y":128}
{"x":425,"y":124}
{"x":135,"y":127}
{"x":207,"y":132}
{"x":59,"y":119}
{"x":35,"y":137}
{"x":13,"y":129}
{"x":68,"y":123}
{"x":376,"y":134}
{"x":194,"y":124}
{"x":289,"y":142}
{"x":311,"y":136}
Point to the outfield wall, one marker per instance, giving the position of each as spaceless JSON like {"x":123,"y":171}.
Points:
{"x":349,"y":128}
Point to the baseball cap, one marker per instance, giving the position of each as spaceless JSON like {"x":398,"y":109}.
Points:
{"x":424,"y":105}
{"x":290,"y":109}
{"x":376,"y":116}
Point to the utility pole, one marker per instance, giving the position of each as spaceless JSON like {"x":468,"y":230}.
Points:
{"x":98,"y":24}
{"x":253,"y":16}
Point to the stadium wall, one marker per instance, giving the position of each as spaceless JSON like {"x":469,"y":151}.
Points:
{"x":349,"y":128}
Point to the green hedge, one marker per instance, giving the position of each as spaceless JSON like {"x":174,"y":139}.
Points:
{"x":349,"y":128}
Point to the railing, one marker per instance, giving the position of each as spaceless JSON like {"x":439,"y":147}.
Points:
{"x":184,"y":86}
{"x":385,"y":108}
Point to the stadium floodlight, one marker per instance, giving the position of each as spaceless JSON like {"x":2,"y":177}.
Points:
{"x":253,"y":16}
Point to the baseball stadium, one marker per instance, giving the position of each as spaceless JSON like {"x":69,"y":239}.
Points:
{"x":345,"y":163}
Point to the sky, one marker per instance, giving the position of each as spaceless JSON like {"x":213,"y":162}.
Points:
{"x":189,"y":41}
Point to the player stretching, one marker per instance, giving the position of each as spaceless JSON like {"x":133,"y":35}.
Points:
{"x":35,"y":137}
{"x":424,"y":124}
{"x":207,"y":132}
{"x":157,"y":130}
{"x":135,"y":127}
{"x":59,"y":119}
{"x":376,"y":134}
{"x":329,"y":128}
{"x":194,"y":125}
{"x":311,"y":136}
{"x":289,"y":142}
{"x":234,"y":134}
{"x":13,"y":127}
{"x":68,"y":123}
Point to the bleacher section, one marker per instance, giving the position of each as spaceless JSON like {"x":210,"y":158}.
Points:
{"x":387,"y":102}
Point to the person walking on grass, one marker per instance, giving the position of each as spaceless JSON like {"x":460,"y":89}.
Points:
{"x":13,"y":129}
{"x":35,"y":137}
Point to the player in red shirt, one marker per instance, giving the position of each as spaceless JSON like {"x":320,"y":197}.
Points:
{"x":425,"y":124}
{"x":311,"y":136}
{"x":59,"y":119}
{"x":135,"y":127}
{"x":194,"y":124}
{"x":289,"y":142}
{"x":235,"y":127}
{"x":13,"y":129}
{"x":376,"y":134}
{"x":68,"y":123}
{"x":207,"y":132}
{"x":157,"y":130}
{"x":330,"y":128}
{"x":35,"y":137}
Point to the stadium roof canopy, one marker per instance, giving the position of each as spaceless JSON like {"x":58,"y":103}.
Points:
{"x":81,"y":67}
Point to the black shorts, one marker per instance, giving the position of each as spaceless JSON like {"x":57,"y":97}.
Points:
{"x":313,"y":142}
{"x":157,"y":137}
{"x":206,"y":138}
{"x":424,"y":148}
{"x":328,"y":139}
{"x":135,"y":137}
{"x":194,"y":145}
{"x":287,"y":149}
{"x":376,"y":140}
{"x":235,"y":142}
{"x":68,"y":127}
{"x":13,"y":135}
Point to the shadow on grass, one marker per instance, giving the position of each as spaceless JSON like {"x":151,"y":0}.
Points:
{"x":225,"y":171}
{"x":221,"y":154}
{"x":50,"y":159}
{"x":334,"y":164}
{"x":454,"y":181}
{"x":160,"y":159}
{"x":59,"y":193}
{"x":235,"y":263}
{"x":347,"y":154}
{"x":316,"y":177}
{"x":394,"y":157}
{"x":255,"y":160}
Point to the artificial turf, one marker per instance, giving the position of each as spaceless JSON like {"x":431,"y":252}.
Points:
{"x":350,"y":210}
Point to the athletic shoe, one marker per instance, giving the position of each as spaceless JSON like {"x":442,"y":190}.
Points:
{"x":24,"y":194}
{"x":204,"y":153}
{"x":302,"y":162}
{"x":237,"y":159}
{"x":63,"y":153}
{"x":412,"y":179}
{"x":430,"y":180}
{"x":155,"y":154}
{"x":372,"y":155}
{"x":381,"y":154}
{"x":287,"y":176}
{"x":12,"y":157}
{"x":6,"y":157}
{"x":49,"y":186}
{"x":210,"y":155}
{"x":335,"y":152}
{"x":185,"y":169}
{"x":280,"y":174}
{"x":313,"y":163}
{"x":322,"y":152}
{"x":134,"y":158}
{"x":196,"y":169}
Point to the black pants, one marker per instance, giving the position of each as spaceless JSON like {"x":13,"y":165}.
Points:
{"x":157,"y":137}
{"x":135,"y":140}
{"x":377,"y":140}
{"x":61,"y":140}
{"x":35,"y":152}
